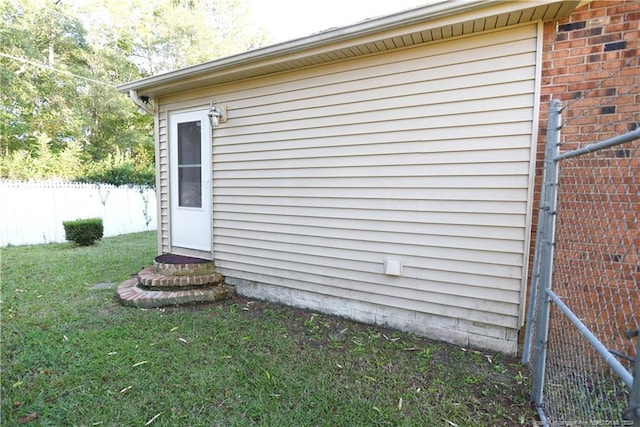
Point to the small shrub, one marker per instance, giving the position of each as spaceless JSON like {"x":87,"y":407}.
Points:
{"x":83,"y":232}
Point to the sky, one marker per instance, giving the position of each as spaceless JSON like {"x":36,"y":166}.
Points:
{"x":290,"y":19}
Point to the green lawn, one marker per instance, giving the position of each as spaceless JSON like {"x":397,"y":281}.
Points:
{"x":72,"y":355}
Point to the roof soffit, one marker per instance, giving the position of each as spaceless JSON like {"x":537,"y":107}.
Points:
{"x":357,"y":40}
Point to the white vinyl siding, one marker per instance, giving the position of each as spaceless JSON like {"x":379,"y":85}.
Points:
{"x":421,"y":154}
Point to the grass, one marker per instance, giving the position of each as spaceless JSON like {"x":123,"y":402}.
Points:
{"x":71,"y":355}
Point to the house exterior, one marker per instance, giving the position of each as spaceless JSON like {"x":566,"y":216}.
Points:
{"x":383,"y":172}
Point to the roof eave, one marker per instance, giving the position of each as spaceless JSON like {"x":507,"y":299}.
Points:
{"x":333,"y":35}
{"x":164,"y":83}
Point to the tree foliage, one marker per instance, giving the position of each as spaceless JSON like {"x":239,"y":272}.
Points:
{"x":41,"y":162}
{"x":164,"y":35}
{"x":34,"y":99}
{"x":118,"y":172}
{"x":60,"y":62}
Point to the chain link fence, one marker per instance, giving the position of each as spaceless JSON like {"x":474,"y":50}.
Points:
{"x":585,"y":312}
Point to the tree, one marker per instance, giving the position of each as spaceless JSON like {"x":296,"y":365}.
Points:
{"x":61,"y":61}
{"x":35,"y":98}
{"x":165,"y":35}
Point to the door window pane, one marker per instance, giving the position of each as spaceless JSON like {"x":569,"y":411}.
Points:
{"x":189,"y":165}
{"x":189,"y":187}
{"x":189,"y":136}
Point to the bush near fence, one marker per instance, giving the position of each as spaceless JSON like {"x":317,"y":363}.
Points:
{"x":32,"y":212}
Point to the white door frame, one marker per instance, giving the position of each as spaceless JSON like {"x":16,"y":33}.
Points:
{"x":191,"y":204}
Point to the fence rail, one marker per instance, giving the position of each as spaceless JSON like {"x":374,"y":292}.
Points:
{"x":584,"y":311}
{"x":32,"y":212}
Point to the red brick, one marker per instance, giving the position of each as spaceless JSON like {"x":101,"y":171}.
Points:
{"x":587,"y":129}
{"x":557,"y":63}
{"x":624,"y":7}
{"x":587,"y":32}
{"x":612,"y":56}
{"x":633,"y":16}
{"x":633,"y":43}
{"x":556,"y":71}
{"x":629,"y":108}
{"x":586,"y":50}
{"x":580,"y":121}
{"x":569,"y":44}
{"x":572,"y":124}
{"x":608,"y":38}
{"x":586,"y":102}
{"x":615,"y":19}
{"x":614,"y":64}
{"x":586,"y":85}
{"x":557,"y":54}
{"x":568,"y":79}
{"x":631,"y":35}
{"x":594,"y":67}
{"x":618,"y":82}
{"x":562,"y":96}
{"x":608,"y":118}
{"x":547,"y":90}
{"x":584,"y":15}
{"x":575,"y":60}
{"x":549,"y":34}
{"x":621,"y":27}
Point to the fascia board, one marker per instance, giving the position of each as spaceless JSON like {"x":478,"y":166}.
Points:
{"x":430,"y":16}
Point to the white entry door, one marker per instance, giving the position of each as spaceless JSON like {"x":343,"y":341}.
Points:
{"x":190,"y":169}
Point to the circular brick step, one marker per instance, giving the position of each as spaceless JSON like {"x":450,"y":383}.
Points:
{"x":188,"y":268}
{"x":151,"y":279}
{"x":130,"y":293}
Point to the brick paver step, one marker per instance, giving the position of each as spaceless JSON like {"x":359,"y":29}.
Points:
{"x":149,"y":278}
{"x":130,"y":293}
{"x":187,"y":269}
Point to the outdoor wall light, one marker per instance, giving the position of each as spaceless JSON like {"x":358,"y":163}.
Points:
{"x":217,"y":114}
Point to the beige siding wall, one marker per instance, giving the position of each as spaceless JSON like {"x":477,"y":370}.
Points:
{"x":162,"y":182}
{"x":421,"y":155}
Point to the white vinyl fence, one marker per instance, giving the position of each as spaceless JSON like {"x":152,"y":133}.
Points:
{"x":32,"y":212}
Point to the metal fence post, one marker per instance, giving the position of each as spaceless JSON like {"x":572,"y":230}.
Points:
{"x":634,"y":404}
{"x":545,"y":248}
{"x":532,"y":308}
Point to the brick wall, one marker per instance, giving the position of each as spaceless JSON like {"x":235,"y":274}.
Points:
{"x":592,"y":59}
{"x":591,"y":63}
